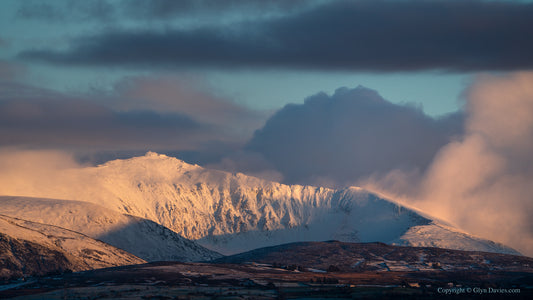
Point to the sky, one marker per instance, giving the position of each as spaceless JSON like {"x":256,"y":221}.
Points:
{"x":398,"y":96}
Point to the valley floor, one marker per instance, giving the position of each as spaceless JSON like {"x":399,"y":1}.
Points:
{"x":174,"y":280}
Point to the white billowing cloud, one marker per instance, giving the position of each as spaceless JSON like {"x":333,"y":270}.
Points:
{"x":484,"y":181}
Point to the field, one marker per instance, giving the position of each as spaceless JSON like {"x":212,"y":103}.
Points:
{"x":172,"y":280}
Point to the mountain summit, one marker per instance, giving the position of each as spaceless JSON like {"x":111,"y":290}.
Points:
{"x":233,"y":212}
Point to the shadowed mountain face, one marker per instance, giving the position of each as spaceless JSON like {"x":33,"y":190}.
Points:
{"x":350,"y":257}
{"x":29,"y":248}
{"x":24,"y":258}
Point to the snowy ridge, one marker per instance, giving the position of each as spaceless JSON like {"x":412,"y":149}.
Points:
{"x":33,"y":246}
{"x":232,"y":213}
{"x":439,"y":235}
{"x":143,"y":238}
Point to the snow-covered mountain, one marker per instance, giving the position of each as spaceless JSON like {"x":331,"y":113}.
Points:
{"x":30,"y":248}
{"x":143,"y":238}
{"x":231,"y":213}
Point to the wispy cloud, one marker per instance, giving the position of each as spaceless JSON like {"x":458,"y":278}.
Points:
{"x":482,"y":182}
{"x":67,"y":122}
{"x":188,"y":95}
{"x":140,"y":114}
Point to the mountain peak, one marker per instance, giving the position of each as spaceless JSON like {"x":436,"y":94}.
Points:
{"x":231,"y":213}
{"x":152,"y":162}
{"x":151,"y":154}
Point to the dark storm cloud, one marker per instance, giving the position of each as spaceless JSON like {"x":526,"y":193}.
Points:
{"x":349,"y":136}
{"x":339,"y":35}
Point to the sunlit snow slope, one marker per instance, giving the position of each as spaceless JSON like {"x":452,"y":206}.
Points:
{"x":143,"y":238}
{"x":232,"y":213}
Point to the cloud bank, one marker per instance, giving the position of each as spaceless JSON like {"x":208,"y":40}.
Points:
{"x":140,"y":114}
{"x":336,"y":35}
{"x":39,"y":118}
{"x":339,"y":139}
{"x":187,"y":95}
{"x":483,"y":181}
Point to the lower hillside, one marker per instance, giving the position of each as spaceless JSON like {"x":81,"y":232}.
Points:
{"x":350,"y":257}
{"x":20,"y":258}
{"x":29,"y":249}
{"x":176,"y":280}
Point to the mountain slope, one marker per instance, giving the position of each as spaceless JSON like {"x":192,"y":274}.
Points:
{"x":445,"y":236}
{"x":232,"y":213}
{"x":30,"y":248}
{"x":143,"y":238}
{"x":349,"y":257}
